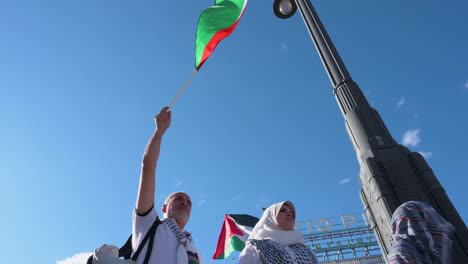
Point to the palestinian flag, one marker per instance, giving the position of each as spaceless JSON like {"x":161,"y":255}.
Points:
{"x":216,"y":23}
{"x":234,"y":233}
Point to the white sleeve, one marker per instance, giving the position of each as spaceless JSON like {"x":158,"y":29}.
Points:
{"x":249,"y":256}
{"x":141,"y":225}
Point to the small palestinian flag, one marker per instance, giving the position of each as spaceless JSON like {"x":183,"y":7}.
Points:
{"x":216,"y":23}
{"x":234,"y":233}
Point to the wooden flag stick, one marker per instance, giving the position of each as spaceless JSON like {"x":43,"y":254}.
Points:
{"x":182,"y":89}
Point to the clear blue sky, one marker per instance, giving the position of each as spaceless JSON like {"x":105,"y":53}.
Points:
{"x":80,"y":82}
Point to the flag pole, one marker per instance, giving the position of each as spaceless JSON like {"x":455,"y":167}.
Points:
{"x":182,"y":89}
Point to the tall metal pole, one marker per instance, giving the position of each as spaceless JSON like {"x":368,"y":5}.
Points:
{"x":390,"y":174}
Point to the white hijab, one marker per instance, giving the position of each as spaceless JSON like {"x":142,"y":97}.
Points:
{"x":267,"y":227}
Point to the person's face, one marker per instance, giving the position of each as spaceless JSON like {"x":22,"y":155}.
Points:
{"x":179,"y":208}
{"x":285,"y":218}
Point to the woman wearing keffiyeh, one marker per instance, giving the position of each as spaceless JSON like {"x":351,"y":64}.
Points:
{"x":273,"y":240}
{"x":421,"y":235}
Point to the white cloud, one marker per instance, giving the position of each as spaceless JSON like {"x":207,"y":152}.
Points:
{"x":284,"y":47}
{"x":426,"y":155}
{"x":178,"y":183}
{"x":401,"y":102}
{"x":345,"y":181}
{"x":79,"y":258}
{"x":466,"y":85}
{"x":236,"y":198}
{"x":201,"y":202}
{"x":411,"y":138}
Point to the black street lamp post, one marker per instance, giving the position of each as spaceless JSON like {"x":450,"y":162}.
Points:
{"x":390,"y":174}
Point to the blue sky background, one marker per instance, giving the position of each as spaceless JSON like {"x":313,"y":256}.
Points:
{"x":80,"y":82}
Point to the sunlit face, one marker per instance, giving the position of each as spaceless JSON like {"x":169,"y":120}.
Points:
{"x":286,"y":218}
{"x":179,"y":208}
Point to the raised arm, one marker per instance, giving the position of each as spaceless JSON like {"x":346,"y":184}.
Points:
{"x":145,"y":198}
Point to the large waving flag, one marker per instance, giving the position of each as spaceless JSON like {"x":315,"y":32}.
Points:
{"x":234,"y":233}
{"x":216,"y":23}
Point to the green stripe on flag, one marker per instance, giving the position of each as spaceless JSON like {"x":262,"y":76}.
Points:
{"x":214,"y":24}
{"x":234,"y":233}
{"x":235,"y":244}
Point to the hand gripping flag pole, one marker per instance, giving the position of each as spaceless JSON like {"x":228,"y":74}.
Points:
{"x":215,"y":23}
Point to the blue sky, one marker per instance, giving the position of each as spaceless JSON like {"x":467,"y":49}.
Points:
{"x":80,"y":82}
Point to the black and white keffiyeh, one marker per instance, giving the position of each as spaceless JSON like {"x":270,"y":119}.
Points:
{"x":421,"y":235}
{"x":272,"y":253}
{"x":186,"y":252}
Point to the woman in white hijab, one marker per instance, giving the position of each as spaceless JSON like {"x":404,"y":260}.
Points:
{"x":274,"y":241}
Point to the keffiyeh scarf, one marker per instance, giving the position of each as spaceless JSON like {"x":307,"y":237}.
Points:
{"x":186,"y":252}
{"x":421,"y":235}
{"x":272,"y":253}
